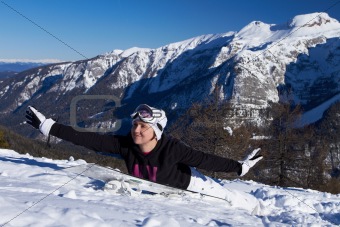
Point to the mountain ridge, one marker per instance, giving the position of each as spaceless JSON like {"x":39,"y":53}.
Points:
{"x":258,"y":64}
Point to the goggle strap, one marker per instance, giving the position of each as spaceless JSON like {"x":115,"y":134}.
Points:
{"x":160,"y":127}
{"x":135,"y":115}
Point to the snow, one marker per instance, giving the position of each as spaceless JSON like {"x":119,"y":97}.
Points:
{"x":308,"y":20}
{"x":316,"y":113}
{"x":229,"y":130}
{"x":4,"y":91}
{"x":39,"y":192}
{"x":130,"y":51}
{"x":114,"y":52}
{"x":258,"y":33}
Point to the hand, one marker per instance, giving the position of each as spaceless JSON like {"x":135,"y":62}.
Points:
{"x":34,"y":117}
{"x":250,"y":161}
{"x":38,"y":120}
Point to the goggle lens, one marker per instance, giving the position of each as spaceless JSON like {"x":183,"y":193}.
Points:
{"x":144,"y":113}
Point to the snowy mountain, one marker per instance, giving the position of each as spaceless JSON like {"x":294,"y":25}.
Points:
{"x":19,"y":65}
{"x":11,"y":67}
{"x":41,"y":192}
{"x":260,"y":63}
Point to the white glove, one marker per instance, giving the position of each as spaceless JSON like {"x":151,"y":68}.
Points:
{"x":38,"y":120}
{"x":250,"y":161}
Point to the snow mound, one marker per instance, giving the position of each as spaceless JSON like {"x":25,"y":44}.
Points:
{"x":39,"y":192}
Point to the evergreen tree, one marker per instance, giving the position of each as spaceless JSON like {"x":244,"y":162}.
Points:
{"x":3,"y":141}
{"x":207,"y":127}
{"x":329,"y":132}
{"x":286,"y":148}
{"x":203,"y":126}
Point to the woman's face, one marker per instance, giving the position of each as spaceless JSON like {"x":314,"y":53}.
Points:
{"x":142,"y":132}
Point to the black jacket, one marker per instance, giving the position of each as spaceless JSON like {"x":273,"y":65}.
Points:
{"x":168,"y":163}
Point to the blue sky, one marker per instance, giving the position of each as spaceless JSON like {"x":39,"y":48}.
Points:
{"x":77,"y":29}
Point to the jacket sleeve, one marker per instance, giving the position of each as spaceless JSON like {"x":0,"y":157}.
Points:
{"x":91,"y":140}
{"x":209,"y":162}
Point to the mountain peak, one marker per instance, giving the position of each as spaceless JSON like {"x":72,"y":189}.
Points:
{"x":254,"y":29}
{"x":132,"y":50}
{"x":301,"y":25}
{"x":312,"y":20}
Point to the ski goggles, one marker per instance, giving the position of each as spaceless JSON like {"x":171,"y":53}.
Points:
{"x":146,"y":114}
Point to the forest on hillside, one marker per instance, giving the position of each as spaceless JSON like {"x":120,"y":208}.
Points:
{"x":307,"y":157}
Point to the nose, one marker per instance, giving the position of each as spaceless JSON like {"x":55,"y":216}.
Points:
{"x":136,"y":129}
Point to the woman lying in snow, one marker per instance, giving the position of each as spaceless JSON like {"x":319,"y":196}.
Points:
{"x":150,"y":154}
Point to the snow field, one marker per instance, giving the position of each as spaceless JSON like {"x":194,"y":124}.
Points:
{"x":38,"y":192}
